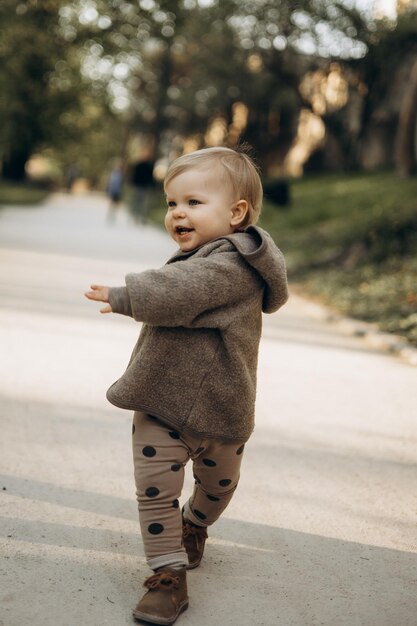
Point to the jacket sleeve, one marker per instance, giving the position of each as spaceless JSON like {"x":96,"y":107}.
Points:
{"x":192,"y":293}
{"x":119,"y":301}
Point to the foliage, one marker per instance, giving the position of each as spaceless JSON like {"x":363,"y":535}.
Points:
{"x":391,"y":89}
{"x":387,"y":49}
{"x":79,"y":78}
{"x":31,"y":101}
{"x":162,"y":67}
{"x":46,"y":105}
{"x":385,"y":293}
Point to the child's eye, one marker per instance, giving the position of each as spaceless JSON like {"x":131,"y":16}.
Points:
{"x":171,"y":203}
{"x":193,"y":202}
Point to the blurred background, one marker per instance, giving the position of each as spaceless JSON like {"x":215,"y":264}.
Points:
{"x":93,"y":93}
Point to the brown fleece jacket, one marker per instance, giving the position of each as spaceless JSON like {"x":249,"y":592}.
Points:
{"x":194,"y":365}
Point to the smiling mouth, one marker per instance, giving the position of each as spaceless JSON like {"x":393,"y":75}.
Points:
{"x":182,"y":230}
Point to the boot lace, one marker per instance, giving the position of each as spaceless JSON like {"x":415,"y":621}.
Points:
{"x":162,"y":580}
{"x":198,"y":532}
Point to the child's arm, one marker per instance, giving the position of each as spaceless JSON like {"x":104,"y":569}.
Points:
{"x":191,"y":293}
{"x":100,"y":293}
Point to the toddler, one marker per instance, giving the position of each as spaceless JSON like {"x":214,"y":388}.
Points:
{"x":191,"y":380}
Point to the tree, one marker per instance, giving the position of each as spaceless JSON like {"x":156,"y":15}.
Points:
{"x":406,"y":138}
{"x":30,"y":47}
{"x":390,"y":75}
{"x":169,"y":68}
{"x":191,"y":62}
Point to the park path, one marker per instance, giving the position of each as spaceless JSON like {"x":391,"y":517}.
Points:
{"x":322,"y":530}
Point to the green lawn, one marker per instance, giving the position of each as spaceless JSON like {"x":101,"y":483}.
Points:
{"x":21,"y":194}
{"x":352,"y":241}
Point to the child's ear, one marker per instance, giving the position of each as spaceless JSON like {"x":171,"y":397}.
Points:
{"x":239,"y":211}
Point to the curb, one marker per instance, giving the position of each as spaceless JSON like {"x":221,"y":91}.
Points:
{"x":387,"y":342}
{"x":370,"y":333}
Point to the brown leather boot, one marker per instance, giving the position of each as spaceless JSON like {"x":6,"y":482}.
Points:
{"x":193,"y":538}
{"x":166,"y":597}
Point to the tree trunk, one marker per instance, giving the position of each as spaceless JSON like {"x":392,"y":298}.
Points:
{"x":405,"y":152}
{"x":14,"y":164}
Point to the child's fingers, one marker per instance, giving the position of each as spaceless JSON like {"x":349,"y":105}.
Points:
{"x":92,"y":295}
{"x":98,"y":292}
{"x":107,"y":309}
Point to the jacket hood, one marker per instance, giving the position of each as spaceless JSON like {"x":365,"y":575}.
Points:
{"x":259,"y":250}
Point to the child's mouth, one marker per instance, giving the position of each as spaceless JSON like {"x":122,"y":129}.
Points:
{"x":182,"y":230}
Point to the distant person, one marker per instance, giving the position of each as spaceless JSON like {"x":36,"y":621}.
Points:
{"x":71,"y":175}
{"x":192,"y":377}
{"x":142,"y":183}
{"x":115,"y":188}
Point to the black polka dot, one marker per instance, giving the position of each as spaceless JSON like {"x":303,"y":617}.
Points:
{"x":152,"y":492}
{"x":174,"y":434}
{"x":209,"y":463}
{"x":176,"y":467}
{"x":199,"y":450}
{"x":148,"y":451}
{"x":224,"y":482}
{"x":175,"y":504}
{"x":155,"y":529}
{"x":240,"y":450}
{"x":213,"y":498}
{"x":197,"y":480}
{"x":133,"y":429}
{"x":199,"y":514}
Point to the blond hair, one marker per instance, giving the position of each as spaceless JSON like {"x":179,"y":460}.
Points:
{"x":238,"y":169}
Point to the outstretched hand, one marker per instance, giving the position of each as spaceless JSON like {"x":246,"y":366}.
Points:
{"x":100,"y":293}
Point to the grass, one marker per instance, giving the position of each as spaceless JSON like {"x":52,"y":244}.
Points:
{"x":351,"y":241}
{"x":21,"y":194}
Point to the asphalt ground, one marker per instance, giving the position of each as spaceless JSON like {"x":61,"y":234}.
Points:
{"x":322,"y":529}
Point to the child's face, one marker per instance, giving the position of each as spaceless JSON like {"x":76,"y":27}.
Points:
{"x":200,"y":208}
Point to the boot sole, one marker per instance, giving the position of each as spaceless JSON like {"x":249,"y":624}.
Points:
{"x":153,"y":619}
{"x":193,"y":565}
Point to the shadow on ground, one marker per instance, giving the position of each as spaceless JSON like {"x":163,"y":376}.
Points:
{"x":72,"y":553}
{"x":270,"y":576}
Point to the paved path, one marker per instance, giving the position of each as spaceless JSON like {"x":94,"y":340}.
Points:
{"x":322,"y":530}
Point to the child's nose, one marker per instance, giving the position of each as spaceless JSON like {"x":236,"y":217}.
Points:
{"x":178,"y":211}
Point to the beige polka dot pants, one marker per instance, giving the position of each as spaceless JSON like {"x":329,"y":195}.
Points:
{"x":160,"y":455}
